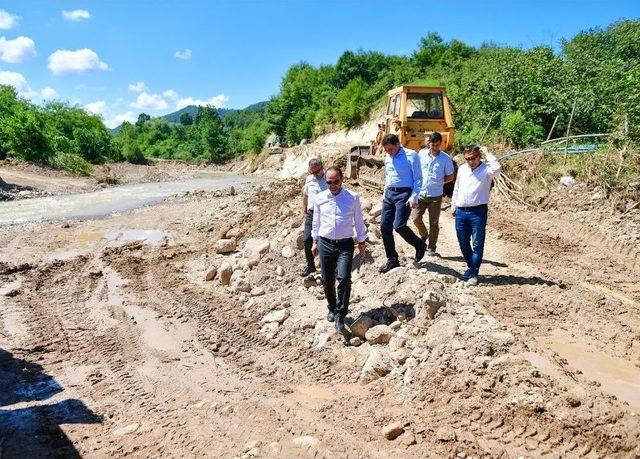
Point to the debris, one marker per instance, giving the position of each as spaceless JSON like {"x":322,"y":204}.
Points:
{"x":287,"y":252}
{"x":392,"y":431}
{"x":211,"y":273}
{"x":380,"y":334}
{"x":567,"y":181}
{"x":360,"y":326}
{"x":276,"y":316}
{"x":225,"y":246}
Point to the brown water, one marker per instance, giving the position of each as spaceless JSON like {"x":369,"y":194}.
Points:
{"x":617,"y":376}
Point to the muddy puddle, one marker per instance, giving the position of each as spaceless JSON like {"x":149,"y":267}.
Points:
{"x":616,"y":376}
{"x":113,"y":200}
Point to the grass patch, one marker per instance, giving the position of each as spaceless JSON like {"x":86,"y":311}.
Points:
{"x":72,"y":163}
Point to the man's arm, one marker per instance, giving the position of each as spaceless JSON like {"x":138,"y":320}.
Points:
{"x":493,"y":166}
{"x":416,"y":169}
{"x":449,"y":171}
{"x":315,"y":227}
{"x":305,"y":203}
{"x":454,"y":196}
{"x":358,"y":220}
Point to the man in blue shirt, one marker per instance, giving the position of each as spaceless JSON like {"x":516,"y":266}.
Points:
{"x":403,"y":180}
{"x":437,"y":169}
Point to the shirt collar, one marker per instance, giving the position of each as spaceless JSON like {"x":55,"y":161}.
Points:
{"x":334,"y":196}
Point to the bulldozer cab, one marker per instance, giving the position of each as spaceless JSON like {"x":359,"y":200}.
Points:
{"x":415,"y":112}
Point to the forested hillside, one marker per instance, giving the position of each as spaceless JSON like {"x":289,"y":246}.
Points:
{"x":499,"y":93}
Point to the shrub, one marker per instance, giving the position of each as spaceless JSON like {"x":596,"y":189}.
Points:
{"x":71,"y":162}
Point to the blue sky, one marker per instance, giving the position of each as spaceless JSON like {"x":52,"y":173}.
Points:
{"x":120,"y":58}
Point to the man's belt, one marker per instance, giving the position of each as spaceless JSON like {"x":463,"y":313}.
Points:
{"x":336,"y":241}
{"x":399,"y":189}
{"x":479,"y":206}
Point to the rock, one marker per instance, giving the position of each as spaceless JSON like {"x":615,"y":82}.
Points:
{"x":441,"y":332}
{"x":395,"y":326}
{"x":251,"y":445}
{"x":366,"y":205}
{"x":445,"y":433}
{"x":378,"y":364}
{"x":299,"y":235}
{"x":309,"y":282}
{"x":355,"y":341}
{"x":276,"y":316}
{"x":396,"y":342}
{"x":279,"y":271}
{"x":401,"y":355}
{"x":126,"y":430}
{"x":380,"y":334}
{"x":433,"y":302}
{"x":233,"y":233}
{"x":287,"y":252}
{"x":408,"y":439}
{"x":241,"y":285}
{"x":322,"y":333}
{"x":257,"y":291}
{"x":225,"y":273}
{"x":237,"y":274}
{"x":225,"y":246}
{"x":211,"y":273}
{"x":376,"y":209}
{"x":255,"y":249}
{"x":232,"y":190}
{"x":270,"y":329}
{"x":392,"y":431}
{"x":306,"y":441}
{"x":567,"y":181}
{"x":360,"y":326}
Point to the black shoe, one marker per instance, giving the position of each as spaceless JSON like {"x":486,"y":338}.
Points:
{"x":330,"y":316}
{"x":307,"y":270}
{"x":340,"y":322}
{"x":420,"y":251}
{"x":389,"y":265}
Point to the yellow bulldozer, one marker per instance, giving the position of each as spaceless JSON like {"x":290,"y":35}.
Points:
{"x":413,"y":113}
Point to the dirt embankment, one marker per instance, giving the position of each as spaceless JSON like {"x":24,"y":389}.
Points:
{"x":129,"y":350}
{"x":26,"y":180}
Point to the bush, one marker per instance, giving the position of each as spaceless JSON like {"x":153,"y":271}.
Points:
{"x":133,"y":154}
{"x":351,"y":103}
{"x":71,"y":162}
{"x":518,"y":130}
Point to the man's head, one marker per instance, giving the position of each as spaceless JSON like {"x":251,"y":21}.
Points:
{"x":472,"y":156}
{"x":435,"y":140}
{"x":334,"y":179}
{"x":315,"y":168}
{"x":391,"y":143}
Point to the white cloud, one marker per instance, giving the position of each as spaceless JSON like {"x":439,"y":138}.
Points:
{"x":17,"y":50}
{"x":119,"y":119}
{"x":218,"y":101}
{"x":146,"y":101}
{"x":48,"y":93}
{"x":76,"y":15}
{"x":140,"y":86}
{"x":8,"y":20}
{"x":98,"y":107}
{"x":184,"y":55}
{"x":78,"y":61}
{"x":18,"y":81}
{"x":170,"y":94}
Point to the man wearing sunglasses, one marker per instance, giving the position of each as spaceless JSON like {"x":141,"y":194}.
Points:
{"x":403,"y":180}
{"x":337,"y":216}
{"x":314,"y":184}
{"x":469,"y":204}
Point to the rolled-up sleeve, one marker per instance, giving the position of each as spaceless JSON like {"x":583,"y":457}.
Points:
{"x":493,"y":166}
{"x":358,"y":220}
{"x":416,"y":170}
{"x":315,"y":226}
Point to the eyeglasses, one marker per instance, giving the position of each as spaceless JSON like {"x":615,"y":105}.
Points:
{"x":317,"y":171}
{"x":333,"y":182}
{"x":473,"y":158}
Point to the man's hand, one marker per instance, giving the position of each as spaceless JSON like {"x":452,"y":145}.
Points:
{"x":362,"y":248}
{"x":314,"y":249}
{"x":414,"y":205}
{"x":453,"y":212}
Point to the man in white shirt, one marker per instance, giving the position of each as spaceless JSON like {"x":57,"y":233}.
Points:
{"x":313,"y":184}
{"x":469,"y":204}
{"x":336,"y":214}
{"x":437,"y":169}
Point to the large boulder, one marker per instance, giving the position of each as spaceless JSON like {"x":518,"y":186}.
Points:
{"x":380,"y":334}
{"x":225,"y":246}
{"x":255,"y":249}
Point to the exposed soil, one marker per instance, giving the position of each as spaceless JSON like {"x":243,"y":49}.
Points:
{"x":112,"y":343}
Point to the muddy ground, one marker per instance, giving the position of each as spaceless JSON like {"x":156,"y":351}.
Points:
{"x":112,"y":342}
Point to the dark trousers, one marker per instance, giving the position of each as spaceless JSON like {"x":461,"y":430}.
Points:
{"x":395,"y":213}
{"x":471,"y":227}
{"x":308,"y":240}
{"x":336,"y":259}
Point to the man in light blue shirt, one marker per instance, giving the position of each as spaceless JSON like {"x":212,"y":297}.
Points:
{"x":437,"y":169}
{"x":403,"y":180}
{"x":313,"y":185}
{"x":337,"y":216}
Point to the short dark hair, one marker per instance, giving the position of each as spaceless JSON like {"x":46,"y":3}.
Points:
{"x":473,"y":148}
{"x":435,"y":137}
{"x":333,"y":168}
{"x":390,"y":139}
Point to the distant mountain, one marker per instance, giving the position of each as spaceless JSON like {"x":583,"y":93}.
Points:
{"x":193,"y":110}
